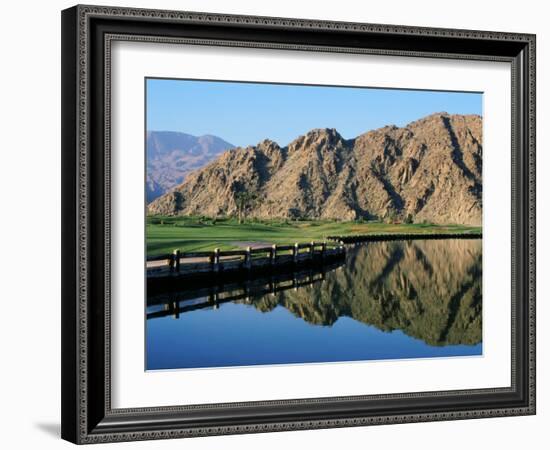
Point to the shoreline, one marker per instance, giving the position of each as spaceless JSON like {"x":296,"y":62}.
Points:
{"x":373,"y":237}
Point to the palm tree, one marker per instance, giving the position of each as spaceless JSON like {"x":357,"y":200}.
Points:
{"x":244,"y":200}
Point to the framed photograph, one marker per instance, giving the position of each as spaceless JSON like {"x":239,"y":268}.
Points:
{"x":282,"y":224}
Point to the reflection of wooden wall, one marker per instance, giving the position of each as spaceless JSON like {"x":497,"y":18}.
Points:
{"x":174,"y":305}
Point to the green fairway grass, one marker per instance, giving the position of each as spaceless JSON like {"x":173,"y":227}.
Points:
{"x":165,"y":234}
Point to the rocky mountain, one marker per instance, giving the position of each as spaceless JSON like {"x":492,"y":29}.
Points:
{"x":429,"y":170}
{"x":171,"y":156}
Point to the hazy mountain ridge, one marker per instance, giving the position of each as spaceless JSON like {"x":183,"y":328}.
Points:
{"x":171,"y":156}
{"x":429,"y":170}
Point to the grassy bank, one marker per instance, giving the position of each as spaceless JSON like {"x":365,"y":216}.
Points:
{"x":164,"y":234}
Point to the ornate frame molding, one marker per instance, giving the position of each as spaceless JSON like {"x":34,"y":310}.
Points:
{"x":87,"y":423}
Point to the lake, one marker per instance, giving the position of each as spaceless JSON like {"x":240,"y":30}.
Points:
{"x":387,"y":300}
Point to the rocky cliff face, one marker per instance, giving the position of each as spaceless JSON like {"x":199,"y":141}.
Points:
{"x":429,"y":170}
{"x":172,"y":155}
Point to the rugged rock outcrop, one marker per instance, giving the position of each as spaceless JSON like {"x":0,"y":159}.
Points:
{"x":429,"y":170}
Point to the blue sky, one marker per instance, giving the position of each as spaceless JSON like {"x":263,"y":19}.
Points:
{"x":246,"y":113}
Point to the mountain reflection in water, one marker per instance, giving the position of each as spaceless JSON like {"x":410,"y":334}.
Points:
{"x":426,"y":291}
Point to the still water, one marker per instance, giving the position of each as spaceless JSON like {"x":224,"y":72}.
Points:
{"x":387,"y":300}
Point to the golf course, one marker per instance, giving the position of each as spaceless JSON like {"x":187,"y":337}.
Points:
{"x":167,"y":233}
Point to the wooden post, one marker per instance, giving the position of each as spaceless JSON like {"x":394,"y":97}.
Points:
{"x":215,"y":299}
{"x":172,"y":261}
{"x":216,"y":260}
{"x":295,"y":252}
{"x":176,"y":257}
{"x":323,"y":249}
{"x":248,"y":258}
{"x":273,"y":254}
{"x":311,"y":249}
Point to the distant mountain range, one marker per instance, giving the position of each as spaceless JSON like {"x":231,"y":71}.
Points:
{"x":429,"y":170}
{"x":171,"y":156}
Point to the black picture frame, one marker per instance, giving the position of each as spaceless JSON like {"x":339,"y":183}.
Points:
{"x":87,"y":415}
